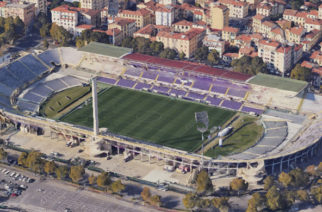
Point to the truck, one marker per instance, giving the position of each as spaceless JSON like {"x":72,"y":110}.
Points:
{"x":127,"y":156}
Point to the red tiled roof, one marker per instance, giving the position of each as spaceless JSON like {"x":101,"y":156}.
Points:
{"x":269,"y":24}
{"x":233,"y":2}
{"x":110,"y":31}
{"x":2,"y":3}
{"x":85,"y":26}
{"x":307,"y":64}
{"x":284,"y":49}
{"x":230,"y":29}
{"x":313,"y":21}
{"x":290,"y":12}
{"x":297,"y":30}
{"x":314,"y":13}
{"x":317,"y":70}
{"x":317,"y":55}
{"x":140,"y":12}
{"x":183,"y":23}
{"x":269,"y":43}
{"x":301,"y":14}
{"x":259,"y":17}
{"x":181,"y":36}
{"x":188,"y":66}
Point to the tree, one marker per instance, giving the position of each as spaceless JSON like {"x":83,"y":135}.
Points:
{"x":34,"y":162}
{"x":285,"y":179}
{"x":249,"y":65}
{"x":289,"y":197}
{"x":301,"y":73}
{"x":296,"y":4}
{"x":76,"y":173}
{"x":182,"y":55}
{"x":19,"y":26}
{"x":190,"y":200}
{"x":50,"y":167}
{"x":79,"y":43}
{"x":22,"y":160}
{"x":91,"y":179}
{"x":46,"y":44}
{"x":62,"y":172}
{"x":156,"y":47}
{"x":204,"y":183}
{"x":203,"y":203}
{"x":127,"y":42}
{"x":60,"y":34}
{"x":317,"y":194}
{"x":312,"y":170}
{"x":220,"y":202}
{"x":146,"y":194}
{"x":268,"y":182}
{"x":117,"y":186}
{"x":213,"y":57}
{"x":299,"y":177}
{"x":201,"y":53}
{"x":238,"y":184}
{"x":168,"y":53}
{"x":274,"y":199}
{"x":103,"y":179}
{"x":44,"y":30}
{"x":155,"y":200}
{"x":3,"y":154}
{"x":302,"y":195}
{"x":256,"y":203}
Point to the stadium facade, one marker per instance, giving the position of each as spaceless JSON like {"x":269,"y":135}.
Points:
{"x":21,"y":95}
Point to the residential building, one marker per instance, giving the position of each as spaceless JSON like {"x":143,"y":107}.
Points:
{"x":114,"y":35}
{"x":94,"y":4}
{"x":25,"y":11}
{"x":229,"y":57}
{"x":270,"y":8}
{"x":237,"y":9}
{"x":70,"y":17}
{"x":126,"y":26}
{"x":310,"y":39}
{"x":182,"y":26}
{"x":257,"y":22}
{"x":295,"y":34}
{"x":186,"y":42}
{"x":229,"y":33}
{"x":213,"y":41}
{"x":289,"y":15}
{"x":277,"y":34}
{"x":40,"y":5}
{"x":80,"y":28}
{"x":142,"y":17}
{"x":311,"y":24}
{"x":150,"y":31}
{"x":168,"y":2}
{"x":219,"y":16}
{"x":191,"y":12}
{"x":320,"y":11}
{"x":247,"y":51}
{"x":164,"y":15}
{"x":267,"y":27}
{"x":316,"y":57}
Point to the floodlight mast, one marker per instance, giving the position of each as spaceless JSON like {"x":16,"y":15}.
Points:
{"x":202,"y":117}
{"x":95,"y":108}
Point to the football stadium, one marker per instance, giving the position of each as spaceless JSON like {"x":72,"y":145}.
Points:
{"x":123,"y":102}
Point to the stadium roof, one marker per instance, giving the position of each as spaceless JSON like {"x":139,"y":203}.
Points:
{"x":278,"y":82}
{"x":106,"y":49}
{"x":188,"y":66}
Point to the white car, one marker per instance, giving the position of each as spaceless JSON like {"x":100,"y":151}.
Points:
{"x":13,"y":173}
{"x":4,"y":170}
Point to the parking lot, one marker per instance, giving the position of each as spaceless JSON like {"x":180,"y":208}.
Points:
{"x":13,"y":183}
{"x":53,"y":195}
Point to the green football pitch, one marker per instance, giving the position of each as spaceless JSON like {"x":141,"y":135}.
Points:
{"x":149,"y":117}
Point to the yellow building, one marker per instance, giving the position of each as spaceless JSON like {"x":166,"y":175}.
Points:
{"x":295,"y":34}
{"x":25,"y":12}
{"x":229,"y":33}
{"x":237,"y":9}
{"x":186,"y":42}
{"x":219,"y":16}
{"x":126,"y":26}
{"x":142,"y":17}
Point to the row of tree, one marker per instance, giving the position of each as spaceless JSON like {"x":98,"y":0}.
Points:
{"x":11,"y":29}
{"x":281,"y":194}
{"x":249,"y":65}
{"x":147,"y":197}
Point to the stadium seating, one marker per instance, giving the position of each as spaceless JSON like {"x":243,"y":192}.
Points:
{"x":202,"y":85}
{"x":21,"y":72}
{"x":177,"y":92}
{"x":56,"y":85}
{"x":71,"y":56}
{"x":27,"y":106}
{"x":237,"y":92}
{"x":125,"y":83}
{"x":50,"y":56}
{"x":249,"y":109}
{"x":106,"y":80}
{"x":149,"y":75}
{"x":133,"y":72}
{"x":168,"y":78}
{"x":160,"y":89}
{"x":30,"y":97}
{"x":140,"y":86}
{"x":4,"y":89}
{"x":196,"y":96}
{"x":214,"y":100}
{"x":231,"y":104}
{"x":34,"y":64}
{"x":4,"y":101}
{"x":219,"y":89}
{"x":42,"y":90}
{"x":7,"y":79}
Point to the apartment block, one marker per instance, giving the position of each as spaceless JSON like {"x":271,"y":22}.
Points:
{"x":237,"y":9}
{"x":229,"y":33}
{"x":142,"y":17}
{"x":94,"y":4}
{"x":126,"y":26}
{"x":164,"y":15}
{"x":25,"y":11}
{"x":213,"y":41}
{"x":219,"y":16}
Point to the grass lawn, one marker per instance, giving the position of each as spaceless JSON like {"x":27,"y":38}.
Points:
{"x":59,"y":101}
{"x":247,"y":131}
{"x":152,"y":118}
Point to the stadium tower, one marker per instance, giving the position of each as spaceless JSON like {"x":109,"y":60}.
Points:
{"x":95,"y":109}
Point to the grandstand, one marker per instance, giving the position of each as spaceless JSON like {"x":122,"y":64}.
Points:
{"x":33,"y":98}
{"x":50,"y":57}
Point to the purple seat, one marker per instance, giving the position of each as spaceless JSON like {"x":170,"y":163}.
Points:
{"x":163,"y":78}
{"x":249,"y":109}
{"x":149,"y":75}
{"x":106,"y":80}
{"x":231,"y":104}
{"x":177,"y":92}
{"x":141,"y":85}
{"x":214,"y":100}
{"x":219,"y":89}
{"x":133,"y":72}
{"x":125,"y":83}
{"x":160,"y":89}
{"x":194,"y":95}
{"x":202,"y":85}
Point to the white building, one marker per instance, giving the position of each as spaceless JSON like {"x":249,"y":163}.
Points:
{"x":214,"y":42}
{"x":164,"y":15}
{"x":40,"y":5}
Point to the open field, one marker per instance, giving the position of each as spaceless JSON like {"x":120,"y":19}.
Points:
{"x":247,"y":131}
{"x":153,"y":118}
{"x":59,"y":101}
